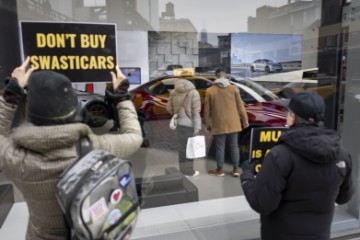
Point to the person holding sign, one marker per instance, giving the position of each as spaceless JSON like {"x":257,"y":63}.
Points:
{"x":35,"y":154}
{"x":302,"y":177}
{"x":224,"y":117}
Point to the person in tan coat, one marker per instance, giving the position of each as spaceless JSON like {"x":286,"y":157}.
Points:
{"x":224,"y":117}
{"x":35,"y":154}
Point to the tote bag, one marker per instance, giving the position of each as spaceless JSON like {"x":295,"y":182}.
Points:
{"x":196,"y":147}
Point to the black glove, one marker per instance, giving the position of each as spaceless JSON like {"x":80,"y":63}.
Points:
{"x":121,"y":93}
{"x":13,"y":92}
{"x":248,"y":166}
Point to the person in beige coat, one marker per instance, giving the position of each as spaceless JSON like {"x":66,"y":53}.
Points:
{"x":35,"y":154}
{"x":224,"y":117}
{"x":185,"y":100}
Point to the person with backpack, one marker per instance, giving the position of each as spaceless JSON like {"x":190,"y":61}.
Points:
{"x":35,"y":154}
{"x":185,"y":101}
{"x":302,"y":177}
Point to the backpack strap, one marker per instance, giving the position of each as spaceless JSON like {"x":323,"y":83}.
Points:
{"x":83,"y":146}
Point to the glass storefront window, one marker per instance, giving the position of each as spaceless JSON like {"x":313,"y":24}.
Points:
{"x":270,"y":50}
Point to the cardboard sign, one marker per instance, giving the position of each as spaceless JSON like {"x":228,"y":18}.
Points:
{"x":84,"y":52}
{"x":262,"y":140}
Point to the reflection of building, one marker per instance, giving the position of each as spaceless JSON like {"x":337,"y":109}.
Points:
{"x":203,"y":35}
{"x":44,"y":9}
{"x":324,"y":37}
{"x":168,"y":48}
{"x":291,"y":18}
{"x":225,"y":47}
{"x":169,"y":11}
{"x":211,"y":57}
{"x":125,"y":14}
{"x":296,"y":17}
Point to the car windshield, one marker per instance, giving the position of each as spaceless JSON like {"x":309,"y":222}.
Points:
{"x":263,"y":92}
{"x":172,"y":67}
{"x":161,"y":87}
{"x":297,"y":84}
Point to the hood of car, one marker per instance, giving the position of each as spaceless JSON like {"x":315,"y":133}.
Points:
{"x":268,"y":113}
{"x":85,"y":96}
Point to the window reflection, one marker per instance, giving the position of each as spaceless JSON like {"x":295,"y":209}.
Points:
{"x":266,"y":47}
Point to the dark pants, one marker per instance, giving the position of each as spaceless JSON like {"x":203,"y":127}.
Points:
{"x":220,"y":149}
{"x":186,"y":165}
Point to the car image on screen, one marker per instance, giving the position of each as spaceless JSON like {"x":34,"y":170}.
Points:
{"x":266,"y":65}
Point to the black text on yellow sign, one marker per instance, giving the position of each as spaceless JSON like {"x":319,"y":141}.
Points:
{"x":71,"y":62}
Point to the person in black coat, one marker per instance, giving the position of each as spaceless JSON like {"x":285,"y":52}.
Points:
{"x":302,"y":177}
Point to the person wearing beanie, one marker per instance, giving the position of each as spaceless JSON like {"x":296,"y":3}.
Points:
{"x":302,"y":177}
{"x":34,"y":154}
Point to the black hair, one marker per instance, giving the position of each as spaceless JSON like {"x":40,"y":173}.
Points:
{"x":220,"y":72}
{"x":316,"y":120}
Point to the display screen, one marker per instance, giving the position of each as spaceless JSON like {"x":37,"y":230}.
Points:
{"x":254,"y":54}
{"x":133,"y":74}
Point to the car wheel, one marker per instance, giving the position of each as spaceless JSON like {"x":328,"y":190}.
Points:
{"x":96,"y":115}
{"x":252,"y":69}
{"x":267,"y":69}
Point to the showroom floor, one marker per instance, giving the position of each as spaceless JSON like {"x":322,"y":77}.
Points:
{"x":147,"y":162}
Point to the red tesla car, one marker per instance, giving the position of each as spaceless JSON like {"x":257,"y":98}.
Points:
{"x":150,"y":100}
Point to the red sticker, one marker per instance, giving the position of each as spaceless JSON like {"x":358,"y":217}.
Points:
{"x":116,"y":196}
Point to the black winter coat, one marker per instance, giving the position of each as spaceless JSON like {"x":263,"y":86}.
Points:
{"x":300,"y":180}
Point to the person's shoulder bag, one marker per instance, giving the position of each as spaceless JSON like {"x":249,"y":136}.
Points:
{"x":173,"y":120}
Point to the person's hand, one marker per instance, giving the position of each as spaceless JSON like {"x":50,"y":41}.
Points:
{"x":21,"y":74}
{"x":248,"y":166}
{"x":245,"y":125}
{"x":121,"y":86}
{"x":196,"y":132}
{"x":117,"y":78}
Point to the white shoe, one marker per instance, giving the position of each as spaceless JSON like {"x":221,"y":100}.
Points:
{"x":196,"y":173}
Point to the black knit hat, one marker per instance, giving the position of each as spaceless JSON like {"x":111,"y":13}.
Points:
{"x":51,"y":99}
{"x":306,"y":104}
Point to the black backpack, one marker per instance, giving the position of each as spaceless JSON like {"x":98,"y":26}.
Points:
{"x":98,"y":195}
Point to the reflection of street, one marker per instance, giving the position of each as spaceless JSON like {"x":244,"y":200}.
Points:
{"x":162,"y":154}
{"x":271,"y":81}
{"x":244,"y":71}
